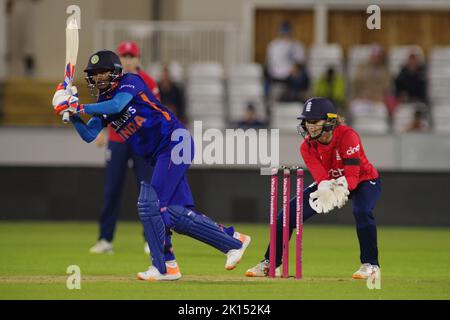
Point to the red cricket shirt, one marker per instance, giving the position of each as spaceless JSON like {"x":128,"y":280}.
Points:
{"x":343,"y":156}
{"x":112,"y":135}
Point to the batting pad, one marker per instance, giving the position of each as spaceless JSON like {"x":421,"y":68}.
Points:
{"x":200,"y":227}
{"x":148,"y":208}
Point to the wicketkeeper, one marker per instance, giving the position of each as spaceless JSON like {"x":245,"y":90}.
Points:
{"x":334,"y":155}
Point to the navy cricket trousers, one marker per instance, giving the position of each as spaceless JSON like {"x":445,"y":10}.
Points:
{"x":364,"y":199}
{"x":118,"y":154}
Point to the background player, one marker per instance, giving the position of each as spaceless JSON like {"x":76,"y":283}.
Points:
{"x":335,"y":157}
{"x":118,"y":154}
{"x":166,"y":203}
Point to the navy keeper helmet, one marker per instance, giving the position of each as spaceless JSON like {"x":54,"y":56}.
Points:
{"x":316,"y":109}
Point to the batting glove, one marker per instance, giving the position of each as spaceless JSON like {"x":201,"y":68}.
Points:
{"x":60,"y":95}
{"x":71,"y":105}
{"x":340,"y":188}
{"x":66,"y":100}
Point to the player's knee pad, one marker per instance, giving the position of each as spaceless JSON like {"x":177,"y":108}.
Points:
{"x":148,"y":202}
{"x":154,"y":229}
{"x":200,"y":227}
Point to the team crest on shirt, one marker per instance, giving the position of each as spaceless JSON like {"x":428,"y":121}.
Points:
{"x":338,"y":156}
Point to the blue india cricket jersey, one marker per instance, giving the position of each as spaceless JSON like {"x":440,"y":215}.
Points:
{"x":144,"y":123}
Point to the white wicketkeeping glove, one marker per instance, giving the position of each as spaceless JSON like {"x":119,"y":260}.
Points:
{"x":340,"y":188}
{"x":323,"y":200}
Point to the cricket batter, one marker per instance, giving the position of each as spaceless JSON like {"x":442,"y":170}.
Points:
{"x":336,"y":159}
{"x":118,"y":154}
{"x":126,"y":103}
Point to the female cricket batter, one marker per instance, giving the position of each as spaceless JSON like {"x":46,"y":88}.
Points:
{"x":335,"y":157}
{"x":165,"y":204}
{"x":118,"y":155}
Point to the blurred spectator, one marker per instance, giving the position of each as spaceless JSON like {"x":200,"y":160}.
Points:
{"x":418,"y":124}
{"x":172,"y":96}
{"x":331,"y":86}
{"x":21,"y":18}
{"x":371,"y":84}
{"x":282,"y":53}
{"x":297,"y":85}
{"x":130,"y":57}
{"x":250,"y":118}
{"x":411,"y":82}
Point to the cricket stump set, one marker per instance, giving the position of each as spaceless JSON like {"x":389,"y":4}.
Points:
{"x":286,"y":215}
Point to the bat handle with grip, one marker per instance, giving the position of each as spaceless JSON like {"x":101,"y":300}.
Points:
{"x":65,"y":117}
{"x":66,"y":114}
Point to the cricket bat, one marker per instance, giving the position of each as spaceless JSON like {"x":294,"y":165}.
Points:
{"x":71,"y":56}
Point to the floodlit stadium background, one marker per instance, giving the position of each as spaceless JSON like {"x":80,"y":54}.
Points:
{"x":225,"y":43}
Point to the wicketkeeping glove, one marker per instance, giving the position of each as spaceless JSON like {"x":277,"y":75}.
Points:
{"x":323,"y":200}
{"x":340,"y":188}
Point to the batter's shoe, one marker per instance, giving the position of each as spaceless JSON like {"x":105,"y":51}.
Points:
{"x":234,"y":256}
{"x":365,"y":271}
{"x":102,"y":246}
{"x":262,"y":270}
{"x":152,"y":274}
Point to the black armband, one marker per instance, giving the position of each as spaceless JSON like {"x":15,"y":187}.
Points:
{"x":351,"y":162}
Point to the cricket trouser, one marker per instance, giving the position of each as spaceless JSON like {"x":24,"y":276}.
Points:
{"x":364,"y":199}
{"x":170,"y":183}
{"x":177,"y":209}
{"x":115,"y":172}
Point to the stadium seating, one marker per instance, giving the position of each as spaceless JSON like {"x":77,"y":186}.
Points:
{"x":373,"y":121}
{"x":323,"y":56}
{"x":356,"y":55}
{"x":28,"y":102}
{"x":218,"y":96}
{"x":439,"y":84}
{"x":245,"y":84}
{"x":175,"y":69}
{"x":284,"y":116}
{"x":206,"y":94}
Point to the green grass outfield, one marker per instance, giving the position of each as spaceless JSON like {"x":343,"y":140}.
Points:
{"x":34,"y":258}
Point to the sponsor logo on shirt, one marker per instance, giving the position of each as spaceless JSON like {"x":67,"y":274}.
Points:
{"x":127,"y":86}
{"x":336,"y":173}
{"x":127,"y":125}
{"x":353,"y":150}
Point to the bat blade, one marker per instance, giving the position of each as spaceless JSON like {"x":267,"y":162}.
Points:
{"x":72,"y":42}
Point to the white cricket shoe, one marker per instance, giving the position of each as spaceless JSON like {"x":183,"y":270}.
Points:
{"x":152,"y":274}
{"x":146,"y":248}
{"x":102,"y":246}
{"x":365,"y":271}
{"x":234,"y":256}
{"x":262,"y":270}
